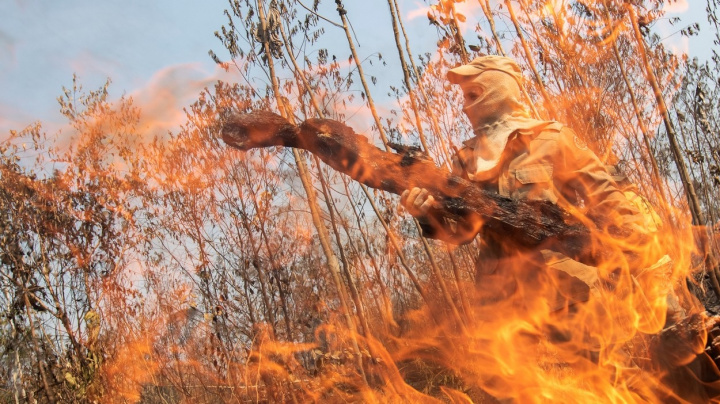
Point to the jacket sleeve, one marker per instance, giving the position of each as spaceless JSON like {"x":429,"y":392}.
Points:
{"x":582,"y":180}
{"x":633,"y":250}
{"x":599,"y":203}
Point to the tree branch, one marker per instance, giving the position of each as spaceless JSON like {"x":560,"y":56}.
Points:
{"x":528,"y":224}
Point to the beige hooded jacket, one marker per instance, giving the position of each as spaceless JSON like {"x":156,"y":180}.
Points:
{"x":523,"y":158}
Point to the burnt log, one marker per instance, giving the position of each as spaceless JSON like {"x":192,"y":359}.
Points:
{"x":527,"y":224}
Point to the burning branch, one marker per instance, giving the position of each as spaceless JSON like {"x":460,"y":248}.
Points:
{"x":526,"y":223}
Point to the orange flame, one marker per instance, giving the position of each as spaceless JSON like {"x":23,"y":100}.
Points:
{"x":523,"y":333}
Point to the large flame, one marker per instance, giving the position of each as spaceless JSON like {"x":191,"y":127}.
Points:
{"x":233,"y":301}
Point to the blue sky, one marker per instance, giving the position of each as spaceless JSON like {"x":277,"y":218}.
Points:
{"x":44,"y":42}
{"x":149,"y":48}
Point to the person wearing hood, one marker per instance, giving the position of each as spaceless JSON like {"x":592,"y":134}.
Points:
{"x":526,"y":159}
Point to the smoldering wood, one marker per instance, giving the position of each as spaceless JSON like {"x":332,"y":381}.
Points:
{"x":527,"y":224}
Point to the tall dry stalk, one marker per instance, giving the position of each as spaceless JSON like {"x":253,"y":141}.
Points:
{"x":548,"y":103}
{"x":371,"y":105}
{"x":690,"y":194}
{"x":306,"y":180}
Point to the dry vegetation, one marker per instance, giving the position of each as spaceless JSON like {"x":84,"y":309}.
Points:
{"x":180,"y":270}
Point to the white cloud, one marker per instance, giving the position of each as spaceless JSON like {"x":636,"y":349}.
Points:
{"x":420,"y":11}
{"x":171,"y":89}
{"x":679,"y":6}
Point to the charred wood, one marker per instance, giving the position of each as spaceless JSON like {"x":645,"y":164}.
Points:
{"x":528,"y":224}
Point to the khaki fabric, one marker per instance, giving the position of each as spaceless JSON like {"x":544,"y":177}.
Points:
{"x":483,"y":64}
{"x":491,"y":101}
{"x":651,"y":220}
{"x":490,"y":141}
{"x":544,"y":161}
{"x":548,"y":161}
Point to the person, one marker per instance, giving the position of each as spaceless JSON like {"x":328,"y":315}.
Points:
{"x":661,"y":271}
{"x":523,"y":158}
{"x":651,"y":219}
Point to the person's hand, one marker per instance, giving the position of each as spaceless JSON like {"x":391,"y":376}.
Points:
{"x":417,"y":201}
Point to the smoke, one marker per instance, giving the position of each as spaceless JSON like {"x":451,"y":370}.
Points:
{"x":169,"y":91}
{"x":420,"y":11}
{"x":678,"y":6}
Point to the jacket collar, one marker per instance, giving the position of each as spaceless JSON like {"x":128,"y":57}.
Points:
{"x":520,"y":124}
